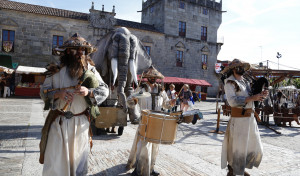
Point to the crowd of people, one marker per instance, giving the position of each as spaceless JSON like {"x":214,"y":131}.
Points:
{"x":66,"y":135}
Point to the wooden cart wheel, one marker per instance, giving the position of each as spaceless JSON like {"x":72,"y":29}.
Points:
{"x":120,"y":130}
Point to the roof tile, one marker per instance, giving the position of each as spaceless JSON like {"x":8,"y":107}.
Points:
{"x":12,"y":5}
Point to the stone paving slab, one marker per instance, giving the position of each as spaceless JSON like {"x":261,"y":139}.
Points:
{"x":196,"y":152}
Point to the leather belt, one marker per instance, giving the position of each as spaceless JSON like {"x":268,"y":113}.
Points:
{"x":69,"y":114}
{"x":241,"y":112}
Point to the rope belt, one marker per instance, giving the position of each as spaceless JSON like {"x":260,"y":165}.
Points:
{"x":241,"y":112}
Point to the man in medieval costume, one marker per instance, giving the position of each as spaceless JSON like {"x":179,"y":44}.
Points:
{"x":143,"y":154}
{"x":242,"y":147}
{"x":72,"y":91}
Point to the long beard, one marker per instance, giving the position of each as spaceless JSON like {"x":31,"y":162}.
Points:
{"x":151,"y":81}
{"x":75,"y":66}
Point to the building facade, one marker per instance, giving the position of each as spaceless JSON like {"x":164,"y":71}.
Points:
{"x":179,"y":35}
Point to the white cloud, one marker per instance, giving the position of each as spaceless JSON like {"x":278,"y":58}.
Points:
{"x":246,"y":10}
{"x":270,"y":24}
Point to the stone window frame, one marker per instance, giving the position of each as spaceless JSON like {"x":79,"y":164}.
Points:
{"x":205,"y":11}
{"x":53,"y":53}
{"x":181,"y":5}
{"x":205,"y":52}
{"x":204,"y":61}
{"x":57,"y":30}
{"x":2,"y":39}
{"x":179,"y":60}
{"x":180,"y":48}
{"x":151,"y":9}
{"x":148,"y":49}
{"x":203,"y":33}
{"x":148,"y":42}
{"x":9,"y":24}
{"x":182,"y":28}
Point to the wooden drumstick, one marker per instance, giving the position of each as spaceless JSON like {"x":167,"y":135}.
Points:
{"x":179,"y":92}
{"x":140,"y":80}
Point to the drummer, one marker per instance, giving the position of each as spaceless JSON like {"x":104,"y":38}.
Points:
{"x":143,"y":154}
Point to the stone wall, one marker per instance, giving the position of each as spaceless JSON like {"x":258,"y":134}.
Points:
{"x":191,"y":45}
{"x":34,"y":34}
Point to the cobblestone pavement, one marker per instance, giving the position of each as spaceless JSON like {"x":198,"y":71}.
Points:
{"x":196,"y":151}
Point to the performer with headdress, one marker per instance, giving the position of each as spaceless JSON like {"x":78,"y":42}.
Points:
{"x":143,"y":154}
{"x":72,"y":91}
{"x":242,"y":147}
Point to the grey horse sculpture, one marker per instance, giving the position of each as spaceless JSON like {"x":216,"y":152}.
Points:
{"x":119,"y":56}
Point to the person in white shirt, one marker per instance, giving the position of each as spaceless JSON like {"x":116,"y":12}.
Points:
{"x":171,"y":95}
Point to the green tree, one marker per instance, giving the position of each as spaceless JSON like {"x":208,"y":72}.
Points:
{"x":297,"y":83}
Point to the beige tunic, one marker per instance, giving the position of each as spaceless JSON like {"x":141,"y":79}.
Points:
{"x":143,"y":154}
{"x":242,"y":147}
{"x":68,"y":142}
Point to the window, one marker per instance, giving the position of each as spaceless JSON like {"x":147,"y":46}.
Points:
{"x":182,"y":28}
{"x":204,"y":61}
{"x":151,"y":9}
{"x":204,"y":33}
{"x":148,"y":49}
{"x":57,"y":41}
{"x":205,"y":11}
{"x":179,"y":58}
{"x":8,"y":40}
{"x":181,"y":5}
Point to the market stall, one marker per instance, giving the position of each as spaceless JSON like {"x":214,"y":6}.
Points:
{"x":197,"y":86}
{"x":6,"y":70}
{"x":29,"y":80}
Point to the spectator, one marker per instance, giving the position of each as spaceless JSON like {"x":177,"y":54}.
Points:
{"x":12,"y":83}
{"x":6,"y":85}
{"x":185,"y":97}
{"x":281,"y":100}
{"x":172,"y":95}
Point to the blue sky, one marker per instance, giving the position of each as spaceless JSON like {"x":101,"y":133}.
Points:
{"x":253,"y":30}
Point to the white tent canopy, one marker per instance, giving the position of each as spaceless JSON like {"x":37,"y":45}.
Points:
{"x":30,"y":70}
{"x":5,"y":69}
{"x":288,"y":88}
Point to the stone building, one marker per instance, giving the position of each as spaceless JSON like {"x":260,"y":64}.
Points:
{"x":180,"y":35}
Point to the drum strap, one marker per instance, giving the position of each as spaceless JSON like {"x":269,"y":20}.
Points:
{"x":153,"y":101}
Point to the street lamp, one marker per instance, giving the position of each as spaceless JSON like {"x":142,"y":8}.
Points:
{"x":278,"y":56}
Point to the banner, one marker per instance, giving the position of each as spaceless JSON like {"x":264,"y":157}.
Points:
{"x":218,"y":67}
